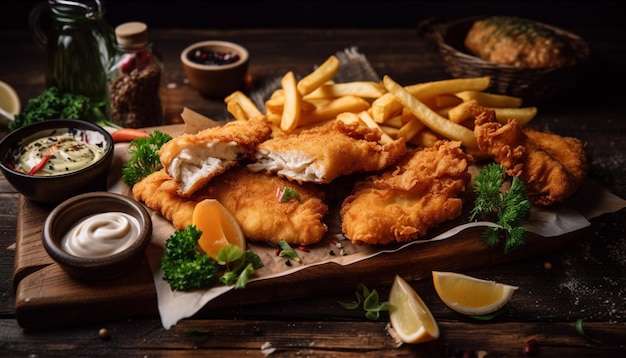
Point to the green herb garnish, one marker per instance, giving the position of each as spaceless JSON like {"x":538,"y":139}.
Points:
{"x":508,"y":208}
{"x":581,"y":331}
{"x":287,"y":194}
{"x":144,"y":157}
{"x":370,"y":301}
{"x":287,"y":250}
{"x":186,"y":268}
{"x":53,"y":104}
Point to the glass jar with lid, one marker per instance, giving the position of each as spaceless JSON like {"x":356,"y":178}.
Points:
{"x":135,"y":77}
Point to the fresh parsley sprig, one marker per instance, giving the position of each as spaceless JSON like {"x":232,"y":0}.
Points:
{"x":508,"y":208}
{"x":144,"y":157}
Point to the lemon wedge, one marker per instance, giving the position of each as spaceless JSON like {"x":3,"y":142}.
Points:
{"x":410,"y":317}
{"x":219,"y":227}
{"x":469,"y":295}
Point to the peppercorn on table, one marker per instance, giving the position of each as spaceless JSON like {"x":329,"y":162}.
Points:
{"x":570,"y":300}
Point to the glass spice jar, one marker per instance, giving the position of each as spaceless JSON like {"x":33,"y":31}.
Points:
{"x":135,"y":78}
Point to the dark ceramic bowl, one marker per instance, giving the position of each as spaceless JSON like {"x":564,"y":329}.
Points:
{"x":106,"y":266}
{"x":216,"y":80}
{"x":53,"y":189}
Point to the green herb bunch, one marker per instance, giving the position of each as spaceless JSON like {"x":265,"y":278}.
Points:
{"x":186,"y":267}
{"x":53,"y":104}
{"x":509,"y":208}
{"x":144,"y":157}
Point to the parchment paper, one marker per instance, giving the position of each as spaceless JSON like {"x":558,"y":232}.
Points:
{"x":590,"y":201}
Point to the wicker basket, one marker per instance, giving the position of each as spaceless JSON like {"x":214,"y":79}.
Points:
{"x":533,"y":85}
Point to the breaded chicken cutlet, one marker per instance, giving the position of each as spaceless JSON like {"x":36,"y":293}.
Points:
{"x":552,"y":167}
{"x":322,"y":154}
{"x":399,"y":205}
{"x":194,"y":159}
{"x":250,"y":198}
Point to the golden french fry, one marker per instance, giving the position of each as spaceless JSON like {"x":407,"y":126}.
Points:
{"x":276,"y":104}
{"x":348,"y":117}
{"x":395,"y":121}
{"x":431,"y":119}
{"x":447,"y":100}
{"x":391,"y":131}
{"x":425,"y":138}
{"x":384,"y":106}
{"x":523,"y":115}
{"x":362,"y":89}
{"x":291,"y":108}
{"x":333,"y":108}
{"x":325,"y":72}
{"x":410,"y":129}
{"x":461,"y":112}
{"x":234,"y":108}
{"x":490,"y":99}
{"x":368,"y":121}
{"x":248,"y":107}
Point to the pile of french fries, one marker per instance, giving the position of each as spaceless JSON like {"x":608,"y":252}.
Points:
{"x":420,"y":113}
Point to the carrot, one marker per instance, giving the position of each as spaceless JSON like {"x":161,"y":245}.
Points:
{"x":127,"y":135}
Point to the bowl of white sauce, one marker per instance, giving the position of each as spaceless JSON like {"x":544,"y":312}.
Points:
{"x":53,"y":160}
{"x":97,"y":235}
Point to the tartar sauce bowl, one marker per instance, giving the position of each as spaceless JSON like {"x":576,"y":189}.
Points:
{"x":97,"y":235}
{"x":74,"y":166}
{"x":215,"y":68}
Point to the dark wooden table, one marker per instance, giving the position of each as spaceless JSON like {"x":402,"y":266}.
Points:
{"x":586,"y":280}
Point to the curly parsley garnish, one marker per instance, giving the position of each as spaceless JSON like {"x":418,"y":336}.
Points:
{"x":144,"y":157}
{"x":508,"y":208}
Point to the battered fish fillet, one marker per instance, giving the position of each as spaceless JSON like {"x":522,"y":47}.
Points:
{"x":402,"y":203}
{"x":193,"y":159}
{"x":552,"y":167}
{"x":251,"y":198}
{"x":322,"y":154}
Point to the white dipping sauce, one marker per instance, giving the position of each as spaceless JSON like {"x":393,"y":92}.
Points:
{"x":101,"y":235}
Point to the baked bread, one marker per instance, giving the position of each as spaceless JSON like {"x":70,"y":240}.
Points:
{"x":518,"y":42}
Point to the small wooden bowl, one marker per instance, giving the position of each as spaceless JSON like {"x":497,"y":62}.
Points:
{"x":215,"y":81}
{"x":534,"y":85}
{"x":67,"y":214}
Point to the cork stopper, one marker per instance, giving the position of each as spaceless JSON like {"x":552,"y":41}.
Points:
{"x":132,"y":34}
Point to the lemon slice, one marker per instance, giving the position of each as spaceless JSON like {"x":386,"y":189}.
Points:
{"x":469,"y":295}
{"x":9,"y":103}
{"x":219,"y":228}
{"x":409,"y":316}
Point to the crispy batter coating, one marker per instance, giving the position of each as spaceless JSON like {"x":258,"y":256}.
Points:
{"x":423,"y":190}
{"x":193,"y":159}
{"x":552,"y":167}
{"x":251,"y":198}
{"x":322,"y":154}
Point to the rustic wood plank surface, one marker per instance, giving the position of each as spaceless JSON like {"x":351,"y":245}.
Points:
{"x":586,"y":280}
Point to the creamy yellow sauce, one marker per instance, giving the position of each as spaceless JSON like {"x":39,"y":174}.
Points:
{"x":68,"y":150}
{"x":101,"y":235}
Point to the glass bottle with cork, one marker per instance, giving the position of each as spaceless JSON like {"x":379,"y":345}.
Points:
{"x":135,"y":78}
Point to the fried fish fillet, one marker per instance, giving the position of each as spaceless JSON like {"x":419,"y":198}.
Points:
{"x":251,"y":198}
{"x":552,"y":167}
{"x":322,"y":154}
{"x":193,"y":159}
{"x":423,"y":190}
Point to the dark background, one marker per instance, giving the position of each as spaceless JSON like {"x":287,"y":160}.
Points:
{"x":224,"y":15}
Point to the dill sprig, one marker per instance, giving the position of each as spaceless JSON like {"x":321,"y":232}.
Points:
{"x":508,"y":208}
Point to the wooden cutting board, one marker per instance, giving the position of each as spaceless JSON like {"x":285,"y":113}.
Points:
{"x":46,"y":296}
